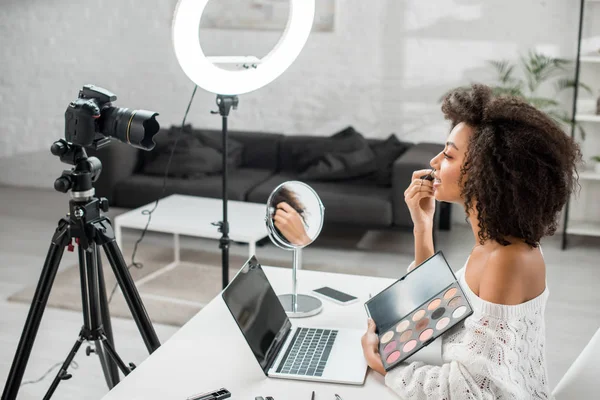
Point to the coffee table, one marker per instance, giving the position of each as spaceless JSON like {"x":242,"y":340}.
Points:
{"x":193,"y":216}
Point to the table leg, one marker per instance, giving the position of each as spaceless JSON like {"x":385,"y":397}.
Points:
{"x":251,"y":249}
{"x":176,"y":248}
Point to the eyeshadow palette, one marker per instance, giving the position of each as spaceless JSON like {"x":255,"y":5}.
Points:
{"x":417,"y":309}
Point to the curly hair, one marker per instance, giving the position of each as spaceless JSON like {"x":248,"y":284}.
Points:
{"x":520,"y":166}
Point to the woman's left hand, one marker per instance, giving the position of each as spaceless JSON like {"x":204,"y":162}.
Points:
{"x":370,"y":345}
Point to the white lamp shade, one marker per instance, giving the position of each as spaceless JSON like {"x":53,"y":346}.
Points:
{"x":186,"y":41}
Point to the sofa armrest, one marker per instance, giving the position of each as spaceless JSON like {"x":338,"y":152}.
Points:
{"x":415,"y":158}
{"x":119,"y":161}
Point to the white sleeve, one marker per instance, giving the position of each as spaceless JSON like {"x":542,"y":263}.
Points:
{"x":496,"y":353}
{"x":417,"y":381}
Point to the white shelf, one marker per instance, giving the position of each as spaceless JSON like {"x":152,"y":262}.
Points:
{"x":590,"y":58}
{"x":589,"y":175}
{"x":584,"y":228}
{"x":587,"y":118}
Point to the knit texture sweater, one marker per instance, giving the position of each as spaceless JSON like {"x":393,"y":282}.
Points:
{"x":498,"y":352}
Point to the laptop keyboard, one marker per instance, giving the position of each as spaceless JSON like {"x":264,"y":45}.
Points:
{"x":308,"y":353}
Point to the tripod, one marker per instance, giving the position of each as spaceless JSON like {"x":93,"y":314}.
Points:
{"x":225,"y":102}
{"x":90,"y":229}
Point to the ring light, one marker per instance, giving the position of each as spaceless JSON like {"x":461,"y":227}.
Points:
{"x":200,"y":69}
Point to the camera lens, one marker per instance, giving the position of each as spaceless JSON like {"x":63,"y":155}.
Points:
{"x":135,"y":127}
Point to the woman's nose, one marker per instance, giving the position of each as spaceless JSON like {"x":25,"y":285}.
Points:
{"x":434,"y":161}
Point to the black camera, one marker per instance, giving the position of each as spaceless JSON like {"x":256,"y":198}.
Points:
{"x":91,"y":120}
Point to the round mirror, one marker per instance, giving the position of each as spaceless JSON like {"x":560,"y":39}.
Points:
{"x":294,"y":220}
{"x":295,"y":215}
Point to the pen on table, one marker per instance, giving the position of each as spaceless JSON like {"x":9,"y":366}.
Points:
{"x":313,"y":396}
{"x":337,"y":397}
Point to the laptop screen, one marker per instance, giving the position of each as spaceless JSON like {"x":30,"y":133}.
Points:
{"x":257,"y":311}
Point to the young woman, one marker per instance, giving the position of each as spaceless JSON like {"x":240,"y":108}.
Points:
{"x":512,"y":168}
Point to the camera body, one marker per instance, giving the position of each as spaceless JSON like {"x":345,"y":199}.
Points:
{"x":91,"y":121}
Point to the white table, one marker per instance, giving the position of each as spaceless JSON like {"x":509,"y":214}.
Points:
{"x":193,"y":216}
{"x":209,"y":352}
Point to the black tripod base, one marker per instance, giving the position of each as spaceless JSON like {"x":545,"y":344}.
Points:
{"x":91,"y":230}
{"x":84,"y":335}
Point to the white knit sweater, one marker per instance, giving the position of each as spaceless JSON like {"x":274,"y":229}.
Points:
{"x":496,"y":353}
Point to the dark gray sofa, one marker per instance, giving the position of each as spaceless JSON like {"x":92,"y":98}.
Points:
{"x":267,"y":161}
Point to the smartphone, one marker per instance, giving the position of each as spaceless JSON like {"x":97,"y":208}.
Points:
{"x":335,"y":295}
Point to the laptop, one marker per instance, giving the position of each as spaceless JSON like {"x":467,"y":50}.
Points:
{"x":286,"y":351}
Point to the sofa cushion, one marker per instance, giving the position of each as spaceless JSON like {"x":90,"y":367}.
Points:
{"x":138,"y":190}
{"x":344,"y":202}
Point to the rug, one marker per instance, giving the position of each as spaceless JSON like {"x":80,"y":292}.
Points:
{"x":172,"y":297}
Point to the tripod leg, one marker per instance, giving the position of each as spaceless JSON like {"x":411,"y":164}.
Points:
{"x":62,"y":372}
{"x":106,"y":237}
{"x":42,"y":292}
{"x":92,"y":308}
{"x":106,"y":323}
{"x":115,"y":357}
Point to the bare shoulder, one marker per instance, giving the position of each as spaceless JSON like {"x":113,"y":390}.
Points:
{"x":513,"y":275}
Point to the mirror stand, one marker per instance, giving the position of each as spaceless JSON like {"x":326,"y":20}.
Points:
{"x":299,"y":305}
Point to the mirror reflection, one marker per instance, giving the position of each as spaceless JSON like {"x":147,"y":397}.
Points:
{"x":294,"y":215}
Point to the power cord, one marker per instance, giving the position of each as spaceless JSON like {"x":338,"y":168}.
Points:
{"x":73,"y":365}
{"x":140,"y":265}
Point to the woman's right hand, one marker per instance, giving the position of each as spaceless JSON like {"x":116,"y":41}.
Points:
{"x":419,"y":199}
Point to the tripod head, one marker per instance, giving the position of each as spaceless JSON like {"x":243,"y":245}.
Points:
{"x":80,"y":178}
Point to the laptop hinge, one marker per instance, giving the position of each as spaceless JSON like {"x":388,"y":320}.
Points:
{"x":280,"y":339}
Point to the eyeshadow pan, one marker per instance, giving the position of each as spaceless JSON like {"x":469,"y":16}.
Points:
{"x":387,"y":337}
{"x":437,"y":314}
{"x":442,"y":323}
{"x":459,"y":312}
{"x":390,"y":346}
{"x":422,"y":324}
{"x":434,"y":304}
{"x":405,"y":336}
{"x":450,"y":293}
{"x":402,"y":326}
{"x":426,"y":335}
{"x":454,"y":302}
{"x":409,"y":346}
{"x":392,"y":358}
{"x":418,"y":315}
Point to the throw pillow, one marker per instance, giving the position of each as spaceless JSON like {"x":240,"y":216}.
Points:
{"x":197,"y":153}
{"x":347,"y":155}
{"x":191,"y":159}
{"x":214,"y":140}
{"x":386,"y":153}
{"x":344,"y":141}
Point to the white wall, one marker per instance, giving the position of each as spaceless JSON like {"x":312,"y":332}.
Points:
{"x":382,"y":70}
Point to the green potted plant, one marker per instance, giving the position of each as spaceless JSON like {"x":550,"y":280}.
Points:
{"x":537,"y":72}
{"x":596,"y":160}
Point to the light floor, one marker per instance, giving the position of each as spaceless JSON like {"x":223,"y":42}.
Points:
{"x":28,"y":218}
